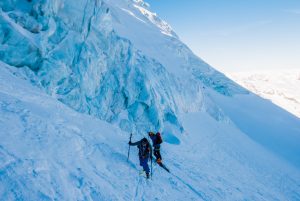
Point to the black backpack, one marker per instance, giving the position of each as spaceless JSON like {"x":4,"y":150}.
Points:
{"x":144,"y":149}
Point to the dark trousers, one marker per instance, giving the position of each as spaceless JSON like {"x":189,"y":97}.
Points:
{"x":157,"y":154}
{"x":144,"y":164}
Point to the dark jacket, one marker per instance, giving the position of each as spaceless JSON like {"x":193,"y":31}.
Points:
{"x":156,"y":146}
{"x":144,"y":151}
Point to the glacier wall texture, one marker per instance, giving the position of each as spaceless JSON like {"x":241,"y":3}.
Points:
{"x":78,"y":57}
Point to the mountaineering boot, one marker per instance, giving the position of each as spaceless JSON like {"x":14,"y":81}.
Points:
{"x":147,"y":175}
{"x":159,"y":162}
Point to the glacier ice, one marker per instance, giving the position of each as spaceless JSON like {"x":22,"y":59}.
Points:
{"x":83,"y":57}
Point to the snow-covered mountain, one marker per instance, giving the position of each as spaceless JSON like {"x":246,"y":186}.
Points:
{"x":102,"y":58}
{"x":281,"y":87}
{"x":78,"y":76}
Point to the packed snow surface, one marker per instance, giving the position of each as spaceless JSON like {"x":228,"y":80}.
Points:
{"x":77,"y":77}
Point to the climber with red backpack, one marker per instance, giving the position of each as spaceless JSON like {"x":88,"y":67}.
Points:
{"x":156,"y":141}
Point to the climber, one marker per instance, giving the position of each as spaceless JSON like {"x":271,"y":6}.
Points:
{"x":156,"y":141}
{"x":145,"y":152}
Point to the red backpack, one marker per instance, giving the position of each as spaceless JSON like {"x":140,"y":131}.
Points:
{"x":158,"y":138}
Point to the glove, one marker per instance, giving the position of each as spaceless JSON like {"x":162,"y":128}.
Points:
{"x":129,"y":142}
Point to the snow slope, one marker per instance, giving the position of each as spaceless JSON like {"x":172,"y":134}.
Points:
{"x":77,"y":78}
{"x":281,"y":87}
{"x":50,"y":152}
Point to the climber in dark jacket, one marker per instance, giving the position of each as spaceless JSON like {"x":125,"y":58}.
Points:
{"x":156,"y":141}
{"x":145,"y":152}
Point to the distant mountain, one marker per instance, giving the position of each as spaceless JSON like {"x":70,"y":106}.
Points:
{"x":281,"y":87}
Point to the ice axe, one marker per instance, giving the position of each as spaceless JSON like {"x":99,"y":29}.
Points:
{"x":129,"y":147}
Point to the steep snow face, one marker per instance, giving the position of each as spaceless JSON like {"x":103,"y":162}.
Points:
{"x":113,"y":59}
{"x":118,"y":61}
{"x":51,"y":152}
{"x":156,"y":39}
{"x":281,"y":87}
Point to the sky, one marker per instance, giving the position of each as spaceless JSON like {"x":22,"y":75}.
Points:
{"x":237,"y":35}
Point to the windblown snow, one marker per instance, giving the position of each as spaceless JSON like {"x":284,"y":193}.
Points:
{"x":77,"y":77}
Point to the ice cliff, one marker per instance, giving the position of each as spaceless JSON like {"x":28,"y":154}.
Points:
{"x":113,"y":59}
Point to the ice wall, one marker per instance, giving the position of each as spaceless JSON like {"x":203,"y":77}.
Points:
{"x":81,"y":55}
